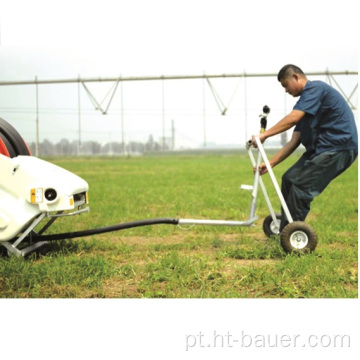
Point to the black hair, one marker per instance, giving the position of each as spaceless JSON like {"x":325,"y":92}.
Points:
{"x":288,"y":70}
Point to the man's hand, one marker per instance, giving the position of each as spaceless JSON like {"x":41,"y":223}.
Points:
{"x":261,"y":138}
{"x":262,"y":169}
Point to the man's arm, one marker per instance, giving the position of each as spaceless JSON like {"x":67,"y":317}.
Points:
{"x":286,"y":123}
{"x":283,"y":153}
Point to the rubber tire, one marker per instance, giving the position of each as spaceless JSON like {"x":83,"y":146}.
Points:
{"x":13,"y":141}
{"x":267,"y":223}
{"x":5,"y":147}
{"x":298,"y":228}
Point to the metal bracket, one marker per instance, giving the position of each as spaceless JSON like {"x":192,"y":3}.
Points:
{"x":13,"y":247}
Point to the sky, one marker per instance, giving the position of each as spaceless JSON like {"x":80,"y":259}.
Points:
{"x":53,"y":40}
{"x":66,"y":39}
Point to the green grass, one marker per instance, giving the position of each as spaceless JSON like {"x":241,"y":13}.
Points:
{"x":167,"y":261}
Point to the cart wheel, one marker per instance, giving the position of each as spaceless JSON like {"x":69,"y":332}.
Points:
{"x":270,"y":228}
{"x":11,"y":142}
{"x":298,"y":237}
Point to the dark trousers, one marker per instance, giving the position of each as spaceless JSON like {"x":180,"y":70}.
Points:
{"x":307,"y":178}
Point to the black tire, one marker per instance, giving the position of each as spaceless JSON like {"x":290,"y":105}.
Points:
{"x":298,"y":237}
{"x":13,"y":141}
{"x":269,"y":226}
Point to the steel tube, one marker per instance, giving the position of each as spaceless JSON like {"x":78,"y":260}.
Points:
{"x":165,"y":77}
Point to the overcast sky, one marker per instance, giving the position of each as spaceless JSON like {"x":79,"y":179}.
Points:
{"x":154,"y":37}
{"x":67,"y":39}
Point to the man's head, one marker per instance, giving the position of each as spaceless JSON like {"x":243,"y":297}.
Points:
{"x":292,"y":79}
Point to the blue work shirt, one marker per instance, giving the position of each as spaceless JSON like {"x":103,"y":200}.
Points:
{"x":328,"y":123}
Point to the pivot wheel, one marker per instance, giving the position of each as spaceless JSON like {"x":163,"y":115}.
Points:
{"x":270,"y":227}
{"x":298,"y":237}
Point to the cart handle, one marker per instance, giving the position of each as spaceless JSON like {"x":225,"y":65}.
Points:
{"x":272,"y":176}
{"x":249,"y":143}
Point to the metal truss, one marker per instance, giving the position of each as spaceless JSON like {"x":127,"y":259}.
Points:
{"x":104,"y":104}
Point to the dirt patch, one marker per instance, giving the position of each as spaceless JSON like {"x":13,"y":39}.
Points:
{"x":116,"y":288}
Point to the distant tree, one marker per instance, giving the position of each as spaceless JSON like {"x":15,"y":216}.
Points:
{"x":46,"y":148}
{"x":91,"y":148}
{"x":150,"y":144}
{"x":63,"y":147}
{"x":135,"y":147}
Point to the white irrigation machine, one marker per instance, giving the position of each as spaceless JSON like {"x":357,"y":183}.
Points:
{"x":34,"y":193}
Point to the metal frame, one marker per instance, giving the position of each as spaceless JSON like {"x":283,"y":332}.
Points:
{"x":13,"y":248}
{"x":261,"y":155}
{"x":98,"y":105}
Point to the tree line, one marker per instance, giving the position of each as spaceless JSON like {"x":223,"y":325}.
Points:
{"x":73,"y":148}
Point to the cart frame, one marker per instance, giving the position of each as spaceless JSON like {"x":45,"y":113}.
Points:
{"x":258,"y":182}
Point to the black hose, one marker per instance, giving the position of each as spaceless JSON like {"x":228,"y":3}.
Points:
{"x":102,"y":230}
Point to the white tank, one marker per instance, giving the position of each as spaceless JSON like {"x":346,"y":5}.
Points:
{"x":30,"y":186}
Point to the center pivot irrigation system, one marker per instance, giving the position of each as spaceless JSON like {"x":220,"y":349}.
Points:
{"x":33,"y":191}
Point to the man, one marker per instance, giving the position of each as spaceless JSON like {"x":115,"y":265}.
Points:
{"x":325,"y":125}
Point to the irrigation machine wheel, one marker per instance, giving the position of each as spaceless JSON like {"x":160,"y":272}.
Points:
{"x":11,"y":142}
{"x":298,"y":237}
{"x":270,"y":228}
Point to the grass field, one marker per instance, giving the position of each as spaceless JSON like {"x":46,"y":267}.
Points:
{"x":165,"y":261}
